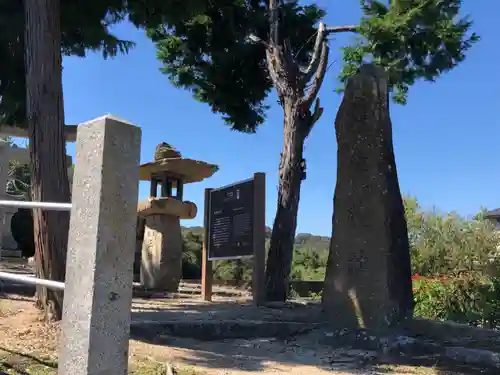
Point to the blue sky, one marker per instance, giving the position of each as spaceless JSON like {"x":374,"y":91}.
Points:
{"x":445,"y":139}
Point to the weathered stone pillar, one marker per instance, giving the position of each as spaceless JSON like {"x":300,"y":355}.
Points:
{"x":368,"y":279}
{"x":161,"y":265}
{"x":98,"y":289}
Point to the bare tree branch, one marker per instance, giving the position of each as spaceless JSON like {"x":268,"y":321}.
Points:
{"x":323,"y":32}
{"x":313,"y":64}
{"x":283,"y":70}
{"x":320,"y":75}
{"x":342,"y":29}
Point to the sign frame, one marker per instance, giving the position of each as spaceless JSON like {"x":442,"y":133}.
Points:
{"x":258,"y":229}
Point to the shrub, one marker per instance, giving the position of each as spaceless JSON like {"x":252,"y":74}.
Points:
{"x":456,"y":265}
{"x":442,"y":244}
{"x":468,"y":298}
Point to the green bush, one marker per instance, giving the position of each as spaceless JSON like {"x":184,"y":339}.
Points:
{"x":444,"y":244}
{"x":456,"y":265}
{"x":464,"y":298}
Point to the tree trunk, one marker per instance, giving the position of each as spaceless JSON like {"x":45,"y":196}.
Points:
{"x":280,"y":255}
{"x":45,"y":115}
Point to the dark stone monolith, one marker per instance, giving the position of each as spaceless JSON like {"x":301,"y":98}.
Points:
{"x":368,"y":278}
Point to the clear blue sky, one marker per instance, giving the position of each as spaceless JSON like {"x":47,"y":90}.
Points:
{"x":445,"y":139}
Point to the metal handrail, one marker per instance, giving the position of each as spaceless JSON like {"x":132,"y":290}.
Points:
{"x":57,"y":285}
{"x":30,"y":280}
{"x":43,"y":205}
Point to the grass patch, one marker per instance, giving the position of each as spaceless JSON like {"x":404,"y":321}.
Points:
{"x":407,"y":370}
{"x":19,"y":363}
{"x":156,"y":368}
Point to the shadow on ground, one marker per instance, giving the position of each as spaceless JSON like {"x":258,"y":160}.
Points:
{"x":305,"y":351}
{"x":237,"y":336}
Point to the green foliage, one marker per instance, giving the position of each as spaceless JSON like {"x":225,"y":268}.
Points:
{"x":311,"y":253}
{"x":191,"y":254}
{"x":464,"y":298}
{"x":443,"y":244}
{"x":412,"y":39}
{"x":309,"y":263}
{"x":456,"y":265}
{"x":84,"y":27}
{"x":210,"y":54}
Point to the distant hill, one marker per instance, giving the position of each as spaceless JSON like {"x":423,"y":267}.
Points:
{"x":309,"y":260}
{"x":302,"y":240}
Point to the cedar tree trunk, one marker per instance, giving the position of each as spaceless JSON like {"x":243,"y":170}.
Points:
{"x":290,"y":81}
{"x":45,"y":116}
{"x":280,"y":256}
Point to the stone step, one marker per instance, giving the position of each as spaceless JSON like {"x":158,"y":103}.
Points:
{"x":401,"y":345}
{"x":213,"y":330}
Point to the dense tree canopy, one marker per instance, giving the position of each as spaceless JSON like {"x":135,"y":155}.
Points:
{"x":212,"y":56}
{"x":417,"y":39}
{"x":85,"y":27}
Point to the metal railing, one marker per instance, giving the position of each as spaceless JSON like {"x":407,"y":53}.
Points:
{"x":42,"y":205}
{"x":30,"y":280}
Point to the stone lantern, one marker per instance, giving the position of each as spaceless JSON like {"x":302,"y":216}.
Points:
{"x":159,"y":230}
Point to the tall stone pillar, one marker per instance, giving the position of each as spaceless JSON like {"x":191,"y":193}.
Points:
{"x":98,"y":289}
{"x":368,"y":278}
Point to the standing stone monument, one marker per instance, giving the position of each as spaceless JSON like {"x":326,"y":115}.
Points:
{"x":98,"y":290}
{"x":368,"y":278}
{"x":161,"y":245}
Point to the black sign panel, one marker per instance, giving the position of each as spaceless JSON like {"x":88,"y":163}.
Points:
{"x":231,"y":221}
